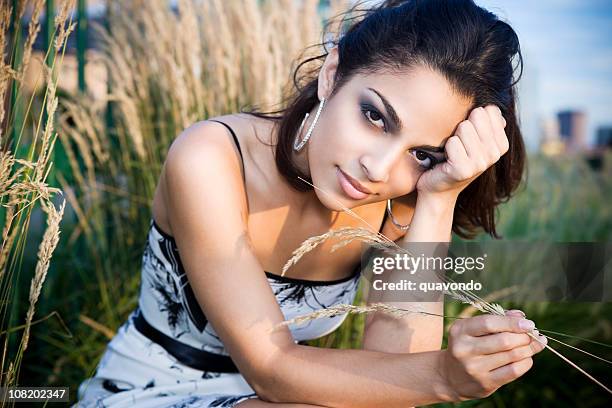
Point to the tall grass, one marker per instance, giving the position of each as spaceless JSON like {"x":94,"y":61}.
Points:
{"x":168,"y":70}
{"x":27,"y":139}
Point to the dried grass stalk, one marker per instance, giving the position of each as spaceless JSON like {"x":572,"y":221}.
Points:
{"x":63,"y":31}
{"x":345,"y":308}
{"x":483,"y":306}
{"x":33,"y":30}
{"x":347,"y":235}
{"x":45,"y":251}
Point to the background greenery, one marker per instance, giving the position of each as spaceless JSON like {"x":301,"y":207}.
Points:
{"x":166,"y":70}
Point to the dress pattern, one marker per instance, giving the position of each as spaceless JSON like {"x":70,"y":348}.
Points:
{"x":134,"y":371}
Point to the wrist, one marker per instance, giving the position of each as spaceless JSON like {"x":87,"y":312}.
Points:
{"x":439,"y":203}
{"x":443,"y":388}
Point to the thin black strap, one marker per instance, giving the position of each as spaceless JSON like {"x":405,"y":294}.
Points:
{"x":190,"y":356}
{"x":235,"y":141}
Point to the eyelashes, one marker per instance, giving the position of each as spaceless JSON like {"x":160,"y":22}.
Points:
{"x":365,"y":108}
{"x":432,"y":160}
{"x":372,"y":115}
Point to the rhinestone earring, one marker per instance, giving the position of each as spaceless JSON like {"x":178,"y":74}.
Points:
{"x":393,"y":220}
{"x":298,"y":146}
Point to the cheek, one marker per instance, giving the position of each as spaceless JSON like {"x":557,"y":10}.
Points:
{"x":404,"y":178}
{"x":321,"y":160}
{"x":332,"y":143}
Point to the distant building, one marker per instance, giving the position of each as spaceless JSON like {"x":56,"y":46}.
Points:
{"x":573,"y":129}
{"x":604,"y":136}
{"x":550,"y":141}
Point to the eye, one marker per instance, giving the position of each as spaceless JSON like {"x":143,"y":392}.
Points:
{"x":426,"y":160}
{"x":372,"y":115}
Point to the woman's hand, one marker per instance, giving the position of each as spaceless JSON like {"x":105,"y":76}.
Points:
{"x":487,"y":351}
{"x":479,"y":142}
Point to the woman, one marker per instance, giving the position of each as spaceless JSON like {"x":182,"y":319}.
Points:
{"x":414,"y":104}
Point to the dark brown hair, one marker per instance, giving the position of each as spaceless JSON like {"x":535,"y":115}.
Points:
{"x":469,"y":45}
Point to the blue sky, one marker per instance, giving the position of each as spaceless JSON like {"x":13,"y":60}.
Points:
{"x":567,"y":45}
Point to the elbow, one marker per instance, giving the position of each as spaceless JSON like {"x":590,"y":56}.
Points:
{"x":266,"y":389}
{"x":263,"y":392}
{"x":267,"y":376}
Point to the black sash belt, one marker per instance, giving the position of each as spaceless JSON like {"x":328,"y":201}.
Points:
{"x":190,"y":356}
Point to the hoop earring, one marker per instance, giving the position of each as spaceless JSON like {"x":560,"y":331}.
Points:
{"x":393,"y":220}
{"x":298,"y":146}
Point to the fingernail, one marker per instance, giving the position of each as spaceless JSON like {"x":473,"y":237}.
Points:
{"x":526,"y":324}
{"x":517,"y":311}
{"x":544,"y":339}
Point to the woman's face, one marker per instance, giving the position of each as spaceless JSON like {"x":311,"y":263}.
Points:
{"x":383,"y":130}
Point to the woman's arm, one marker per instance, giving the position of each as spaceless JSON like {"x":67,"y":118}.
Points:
{"x":349,"y":378}
{"x":484,"y":352}
{"x":208,"y":217}
{"x":430,"y":221}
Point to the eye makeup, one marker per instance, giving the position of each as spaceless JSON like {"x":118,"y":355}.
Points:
{"x":372,"y":115}
{"x":423,"y":155}
{"x":396,"y":123}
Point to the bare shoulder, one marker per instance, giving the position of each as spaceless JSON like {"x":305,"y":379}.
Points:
{"x":206,"y":144}
{"x":207,"y":148}
{"x":203,"y":135}
{"x":202,"y":157}
{"x":212,"y":135}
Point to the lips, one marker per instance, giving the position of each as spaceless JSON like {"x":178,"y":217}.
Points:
{"x":351,"y":187}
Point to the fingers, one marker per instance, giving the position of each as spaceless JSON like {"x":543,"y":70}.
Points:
{"x":498,"y":124}
{"x":486,"y":324}
{"x":511,"y":372}
{"x":495,"y":343}
{"x":485,"y":127}
{"x":537,"y":344}
{"x":516,"y":312}
{"x":478,"y":143}
{"x":456,"y":158}
{"x":471,"y":141}
{"x":480,"y":118}
{"x":484,"y":136}
{"x":502,"y":358}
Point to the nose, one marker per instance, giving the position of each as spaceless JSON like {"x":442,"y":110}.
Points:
{"x":376,"y":173}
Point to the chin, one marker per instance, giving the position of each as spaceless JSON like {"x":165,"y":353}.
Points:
{"x":332,"y":199}
{"x":328,"y":202}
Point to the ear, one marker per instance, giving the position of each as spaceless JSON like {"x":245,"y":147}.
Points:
{"x":327,"y":73}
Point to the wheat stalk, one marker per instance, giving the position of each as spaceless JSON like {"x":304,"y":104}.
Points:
{"x":379,"y":239}
{"x":347,"y":235}
{"x":346,"y":308}
{"x":485,"y":307}
{"x":399,"y":312}
{"x":33,"y":30}
{"x":45,"y":251}
{"x":23,"y":180}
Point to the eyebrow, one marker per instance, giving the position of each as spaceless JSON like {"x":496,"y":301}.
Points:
{"x":398,"y":123}
{"x":394,"y":117}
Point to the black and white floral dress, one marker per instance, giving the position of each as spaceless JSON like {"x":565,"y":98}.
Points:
{"x":155,"y":359}
{"x":135,"y":371}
